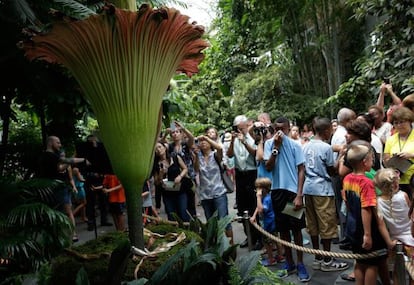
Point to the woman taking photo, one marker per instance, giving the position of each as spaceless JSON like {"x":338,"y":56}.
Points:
{"x":399,"y":148}
{"x":170,"y":175}
{"x":212,"y":192}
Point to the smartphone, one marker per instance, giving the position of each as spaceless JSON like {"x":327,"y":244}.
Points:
{"x":386,"y":80}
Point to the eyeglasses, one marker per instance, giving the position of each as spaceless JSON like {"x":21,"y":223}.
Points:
{"x":396,"y":123}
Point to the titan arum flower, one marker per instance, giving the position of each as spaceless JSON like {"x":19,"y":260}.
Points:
{"x":123,"y":61}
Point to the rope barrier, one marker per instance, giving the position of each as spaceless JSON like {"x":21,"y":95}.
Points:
{"x":410,"y":268}
{"x":318,"y":251}
{"x":292,"y":245}
{"x":408,"y":265}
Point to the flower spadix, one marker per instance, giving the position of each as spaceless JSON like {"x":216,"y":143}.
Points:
{"x":123,"y":61}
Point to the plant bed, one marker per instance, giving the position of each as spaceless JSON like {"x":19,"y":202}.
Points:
{"x":94,"y":257}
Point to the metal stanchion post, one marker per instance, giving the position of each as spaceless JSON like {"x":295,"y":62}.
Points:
{"x":399,"y":265}
{"x":246,"y":220}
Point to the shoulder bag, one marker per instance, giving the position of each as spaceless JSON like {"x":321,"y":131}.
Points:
{"x":227,"y":181}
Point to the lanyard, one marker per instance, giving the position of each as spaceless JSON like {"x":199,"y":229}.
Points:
{"x":399,"y":141}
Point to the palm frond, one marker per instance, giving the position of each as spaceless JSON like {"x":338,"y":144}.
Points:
{"x":31,"y":232}
{"x":31,"y":214}
{"x":247,"y":264}
{"x":74,"y":9}
{"x":160,"y":3}
{"x":19,"y":248}
{"x":41,"y":190}
{"x":17,"y":11}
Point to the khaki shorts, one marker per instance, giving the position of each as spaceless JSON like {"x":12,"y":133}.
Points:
{"x":321,"y":218}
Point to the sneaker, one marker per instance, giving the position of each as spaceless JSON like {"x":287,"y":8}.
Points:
{"x":303,"y":275}
{"x":333,"y":265}
{"x":286,"y":270}
{"x":316,"y":264}
{"x":75,"y":238}
{"x":269,"y":262}
{"x":280,"y":258}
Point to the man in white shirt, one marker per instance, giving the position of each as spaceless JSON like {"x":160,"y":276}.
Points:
{"x":243,"y":149}
{"x":338,"y":143}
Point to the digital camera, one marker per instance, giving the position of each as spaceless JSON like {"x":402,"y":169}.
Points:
{"x":262,"y":130}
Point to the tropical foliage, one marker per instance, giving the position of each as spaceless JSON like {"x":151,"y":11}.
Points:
{"x":303,"y":58}
{"x":296,"y":58}
{"x":389,"y":49}
{"x":32,"y":231}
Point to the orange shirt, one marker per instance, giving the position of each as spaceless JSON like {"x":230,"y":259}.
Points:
{"x":117,"y":196}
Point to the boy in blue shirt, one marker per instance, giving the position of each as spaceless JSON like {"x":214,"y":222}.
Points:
{"x":265,"y":210}
{"x":284,"y":158}
{"x":321,"y":219}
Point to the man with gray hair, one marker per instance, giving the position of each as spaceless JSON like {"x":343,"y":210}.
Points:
{"x":243,"y":149}
{"x":338,"y":143}
{"x":344,"y":116}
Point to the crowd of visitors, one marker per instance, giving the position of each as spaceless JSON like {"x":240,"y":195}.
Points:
{"x":355,"y":172}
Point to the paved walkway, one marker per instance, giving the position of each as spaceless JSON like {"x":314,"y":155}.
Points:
{"x":317,"y":277}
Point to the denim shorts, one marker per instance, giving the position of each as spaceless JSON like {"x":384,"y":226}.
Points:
{"x":67,"y":196}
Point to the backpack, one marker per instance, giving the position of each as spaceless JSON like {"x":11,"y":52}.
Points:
{"x":227,"y":181}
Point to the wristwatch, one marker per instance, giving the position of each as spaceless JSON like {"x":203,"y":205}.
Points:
{"x":275,"y":151}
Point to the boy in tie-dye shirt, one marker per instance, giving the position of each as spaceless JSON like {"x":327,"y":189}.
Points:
{"x":362,"y":222}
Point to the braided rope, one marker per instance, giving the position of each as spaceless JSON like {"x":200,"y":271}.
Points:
{"x":318,"y":251}
{"x":408,"y":265}
{"x":410,"y":269}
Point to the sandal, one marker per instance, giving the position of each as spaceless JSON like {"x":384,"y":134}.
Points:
{"x":348,"y":277}
{"x":75,"y":238}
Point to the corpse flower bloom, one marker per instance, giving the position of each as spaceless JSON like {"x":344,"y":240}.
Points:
{"x":123,"y":61}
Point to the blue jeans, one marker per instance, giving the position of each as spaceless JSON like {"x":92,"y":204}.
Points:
{"x":176,"y":202}
{"x":218,"y":204}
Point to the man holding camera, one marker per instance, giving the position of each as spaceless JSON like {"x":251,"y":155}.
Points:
{"x":285,"y":159}
{"x":243,"y":149}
